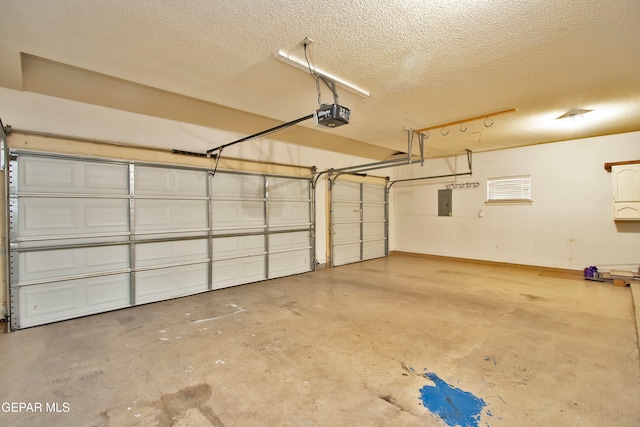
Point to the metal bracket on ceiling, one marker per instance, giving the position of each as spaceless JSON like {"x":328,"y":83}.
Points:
{"x":410,"y":134}
{"x":421,"y":144}
{"x":359,"y":169}
{"x":469,"y":162}
{"x":421,"y":138}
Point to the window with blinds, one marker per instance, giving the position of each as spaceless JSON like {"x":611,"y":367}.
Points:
{"x":509,"y":189}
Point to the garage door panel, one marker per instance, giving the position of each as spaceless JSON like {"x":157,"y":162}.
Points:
{"x":345,"y":191}
{"x":238,"y":215}
{"x":237,"y":246}
{"x":345,"y":233}
{"x":374,"y":249}
{"x":39,"y":265}
{"x":286,"y":241}
{"x":106,"y":214}
{"x":345,"y":254}
{"x":110,"y":291}
{"x":170,"y":215}
{"x":373,"y":230}
{"x":237,"y":271}
{"x":51,"y":302}
{"x":42,"y":175}
{"x":286,"y":188}
{"x":288,"y":263}
{"x":45,"y":217}
{"x":166,"y":283}
{"x":170,"y":182}
{"x":373,"y":193}
{"x":159,"y":253}
{"x":343,"y":212}
{"x":237,"y":186}
{"x":373,"y":212}
{"x":288,"y":214}
{"x":51,"y":298}
{"x":105,"y":179}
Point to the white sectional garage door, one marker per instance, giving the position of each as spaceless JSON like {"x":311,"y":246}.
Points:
{"x":88,"y":236}
{"x":358,"y":222}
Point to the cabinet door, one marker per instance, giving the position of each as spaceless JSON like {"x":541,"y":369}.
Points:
{"x":626,"y":183}
{"x":626,"y":210}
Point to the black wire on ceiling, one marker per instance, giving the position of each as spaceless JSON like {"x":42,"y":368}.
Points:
{"x":311,"y":72}
{"x":332,"y":87}
{"x":317,"y":77}
{"x":263,"y":133}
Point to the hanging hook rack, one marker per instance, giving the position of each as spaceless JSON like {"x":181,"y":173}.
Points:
{"x":442,"y":131}
{"x":470,"y":119}
{"x":462,"y":130}
{"x":462,"y":185}
{"x":485,"y":123}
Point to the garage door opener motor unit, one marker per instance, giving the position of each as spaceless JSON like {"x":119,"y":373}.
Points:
{"x":332,"y":115}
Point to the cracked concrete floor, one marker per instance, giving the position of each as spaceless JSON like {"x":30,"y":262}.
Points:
{"x":349,"y":346}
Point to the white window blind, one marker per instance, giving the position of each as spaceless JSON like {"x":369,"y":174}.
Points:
{"x":509,"y":189}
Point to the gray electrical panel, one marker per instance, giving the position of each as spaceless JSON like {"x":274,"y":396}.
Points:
{"x":444,"y":202}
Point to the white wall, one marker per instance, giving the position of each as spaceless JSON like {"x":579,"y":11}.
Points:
{"x":568,"y":225}
{"x":34,"y":112}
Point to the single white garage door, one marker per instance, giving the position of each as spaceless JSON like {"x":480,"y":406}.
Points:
{"x":359,"y":219}
{"x":88,"y":236}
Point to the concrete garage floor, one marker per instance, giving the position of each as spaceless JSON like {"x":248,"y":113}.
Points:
{"x":361,"y":345}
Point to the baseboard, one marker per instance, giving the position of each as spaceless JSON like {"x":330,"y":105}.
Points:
{"x":563,"y":273}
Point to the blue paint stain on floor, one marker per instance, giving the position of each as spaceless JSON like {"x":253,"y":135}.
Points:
{"x":454,"y":406}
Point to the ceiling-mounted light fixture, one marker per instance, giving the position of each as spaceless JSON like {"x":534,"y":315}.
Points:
{"x":302,"y":65}
{"x":574,"y":113}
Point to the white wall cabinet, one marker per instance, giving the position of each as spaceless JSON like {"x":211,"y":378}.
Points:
{"x":626,"y":192}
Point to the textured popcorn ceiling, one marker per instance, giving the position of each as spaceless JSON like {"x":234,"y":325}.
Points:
{"x":424,"y":62}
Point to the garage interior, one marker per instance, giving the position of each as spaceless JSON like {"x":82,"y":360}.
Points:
{"x":323,"y":214}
